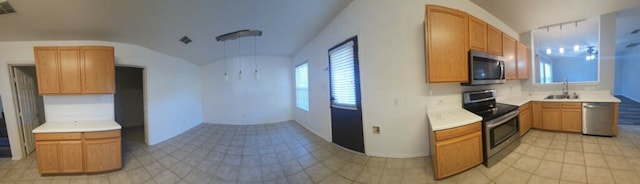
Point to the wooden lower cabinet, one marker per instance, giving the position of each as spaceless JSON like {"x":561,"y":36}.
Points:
{"x":551,"y":119}
{"x":62,"y":153}
{"x":457,"y":149}
{"x":557,"y":116}
{"x":99,"y":155}
{"x":572,"y":120}
{"x":536,"y":110}
{"x":526,"y":118}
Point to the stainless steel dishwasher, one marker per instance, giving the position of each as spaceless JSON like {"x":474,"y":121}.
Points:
{"x":597,"y":118}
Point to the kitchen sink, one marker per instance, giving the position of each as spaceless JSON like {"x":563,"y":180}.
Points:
{"x":562,"y":97}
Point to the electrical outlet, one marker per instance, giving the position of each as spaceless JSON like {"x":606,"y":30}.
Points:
{"x":376,"y":129}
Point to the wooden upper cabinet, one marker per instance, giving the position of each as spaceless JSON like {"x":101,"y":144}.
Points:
{"x":47,"y":70}
{"x":523,"y":60}
{"x":447,"y":44}
{"x":75,"y":70}
{"x":494,"y":40}
{"x":509,"y":56}
{"x":98,"y":70}
{"x":70,"y":82}
{"x":477,"y":34}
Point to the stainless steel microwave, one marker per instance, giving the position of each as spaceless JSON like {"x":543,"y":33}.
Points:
{"x":485,"y":68}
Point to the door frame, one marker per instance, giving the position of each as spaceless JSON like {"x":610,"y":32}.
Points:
{"x":16,"y":107}
{"x":144,"y":99}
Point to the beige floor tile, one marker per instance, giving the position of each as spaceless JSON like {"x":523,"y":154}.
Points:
{"x":630,"y":151}
{"x":395,"y":163}
{"x":351,"y":171}
{"x":634,"y":162}
{"x":536,"y":152}
{"x":599,"y":175}
{"x":415,"y":175}
{"x":473,"y":175}
{"x":575,"y":173}
{"x":391,"y":176}
{"x":541,"y":180}
{"x":610,"y":150}
{"x":527,"y":163}
{"x":522,"y":148}
{"x":549,"y":169}
{"x":595,"y":160}
{"x":618,"y":162}
{"x":300,"y":177}
{"x":511,"y":158}
{"x":624,"y":176}
{"x":513,"y":176}
{"x":591,"y":148}
{"x":494,"y":171}
{"x":542,"y":142}
{"x":336,"y":179}
{"x":558,"y":144}
{"x":574,"y":146}
{"x":554,"y":155}
{"x":574,"y":137}
{"x":369,"y":175}
{"x":573,"y":157}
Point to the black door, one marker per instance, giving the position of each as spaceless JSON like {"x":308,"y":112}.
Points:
{"x":346,"y":109}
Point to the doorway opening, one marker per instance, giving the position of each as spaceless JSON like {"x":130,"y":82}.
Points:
{"x":129,"y":103}
{"x":5,"y":148}
{"x":29,"y":104}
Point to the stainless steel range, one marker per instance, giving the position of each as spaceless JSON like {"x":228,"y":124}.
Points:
{"x":500,"y":124}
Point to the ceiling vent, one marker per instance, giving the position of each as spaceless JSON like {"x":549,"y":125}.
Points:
{"x":5,"y":7}
{"x":633,"y":45}
{"x":185,"y":40}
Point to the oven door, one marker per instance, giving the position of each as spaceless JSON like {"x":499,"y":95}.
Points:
{"x":500,"y":131}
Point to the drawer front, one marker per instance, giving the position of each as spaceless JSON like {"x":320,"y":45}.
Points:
{"x":572,"y":105}
{"x":102,"y":135}
{"x":57,"y":136}
{"x":458,"y":131}
{"x":551,"y":105}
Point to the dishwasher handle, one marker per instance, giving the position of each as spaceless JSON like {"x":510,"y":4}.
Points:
{"x":597,"y":106}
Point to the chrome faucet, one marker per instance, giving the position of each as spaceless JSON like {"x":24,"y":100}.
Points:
{"x":565,"y":87}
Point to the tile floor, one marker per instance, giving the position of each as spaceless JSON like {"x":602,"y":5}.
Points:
{"x":287,"y":153}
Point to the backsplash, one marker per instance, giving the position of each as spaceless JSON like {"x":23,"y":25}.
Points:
{"x":449,"y":95}
{"x":78,"y":107}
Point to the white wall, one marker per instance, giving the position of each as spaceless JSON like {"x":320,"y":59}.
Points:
{"x":606,"y":55}
{"x":247,"y":100}
{"x":173,"y":86}
{"x":392,"y":69}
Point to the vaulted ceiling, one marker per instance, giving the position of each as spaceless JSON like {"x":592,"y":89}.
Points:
{"x":159,"y":24}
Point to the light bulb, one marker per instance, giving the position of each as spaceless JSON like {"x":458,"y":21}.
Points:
{"x":561,"y":50}
{"x":256,"y":75}
{"x":588,"y":57}
{"x":226,"y":77}
{"x":548,"y":51}
{"x":593,"y":56}
{"x":576,"y":48}
{"x":240,"y":75}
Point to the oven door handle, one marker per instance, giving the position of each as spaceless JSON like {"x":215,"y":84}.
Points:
{"x":502,"y":119}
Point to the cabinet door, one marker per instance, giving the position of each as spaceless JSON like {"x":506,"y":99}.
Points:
{"x":98,"y":70}
{"x":536,"y":108}
{"x":552,"y":119}
{"x":47,"y":70}
{"x":102,"y":155}
{"x":572,"y":120}
{"x":494,"y":40}
{"x":47,"y":156}
{"x":523,"y":60}
{"x":71,"y":157}
{"x":509,"y":56}
{"x":447,"y":46}
{"x":70,"y":70}
{"x":457,"y":154}
{"x":526,"y":119}
{"x":477,"y":34}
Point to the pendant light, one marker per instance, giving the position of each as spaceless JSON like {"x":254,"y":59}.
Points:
{"x":548,"y":49}
{"x":561,"y":50}
{"x":240,"y":61}
{"x":256,"y":75}
{"x":576,"y":47}
{"x":226,"y":76}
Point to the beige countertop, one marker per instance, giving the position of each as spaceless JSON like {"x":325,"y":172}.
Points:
{"x":77,"y":126}
{"x":451,"y":117}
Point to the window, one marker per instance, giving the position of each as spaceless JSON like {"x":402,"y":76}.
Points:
{"x":302,"y":86}
{"x":545,"y":71}
{"x":342,"y":64}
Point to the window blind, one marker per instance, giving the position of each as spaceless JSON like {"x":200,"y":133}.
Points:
{"x":343,"y":84}
{"x":302,"y":86}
